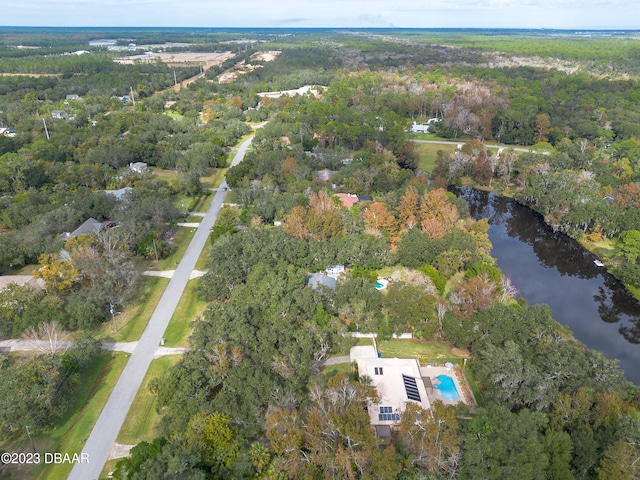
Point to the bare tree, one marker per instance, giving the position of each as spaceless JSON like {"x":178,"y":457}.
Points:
{"x":49,"y":338}
{"x":508,"y":289}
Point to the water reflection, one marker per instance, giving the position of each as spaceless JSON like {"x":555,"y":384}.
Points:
{"x":549,"y":267}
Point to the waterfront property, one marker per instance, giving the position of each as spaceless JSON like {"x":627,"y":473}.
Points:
{"x":399,"y":381}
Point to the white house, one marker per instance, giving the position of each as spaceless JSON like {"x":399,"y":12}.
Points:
{"x":397,"y":380}
{"x":139,"y":167}
{"x":419,"y":127}
{"x":335,"y":271}
{"x":423,"y":127}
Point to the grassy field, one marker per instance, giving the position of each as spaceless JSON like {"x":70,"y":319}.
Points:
{"x":333,"y":370}
{"x":182,"y":239}
{"x":71,"y":432}
{"x":203,"y":260}
{"x":189,"y":308}
{"x":164,"y":174}
{"x":214,"y":180}
{"x":134,"y":319}
{"x":173,"y":114}
{"x":142,"y":417}
{"x":427,"y":154}
{"x":426,"y":351}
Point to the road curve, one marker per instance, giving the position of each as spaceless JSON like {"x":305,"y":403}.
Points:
{"x":106,"y":429}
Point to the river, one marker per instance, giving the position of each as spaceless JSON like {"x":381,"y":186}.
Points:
{"x":549,"y":267}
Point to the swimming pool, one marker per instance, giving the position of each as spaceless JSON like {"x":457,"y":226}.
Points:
{"x":447,"y":387}
{"x":381,"y":284}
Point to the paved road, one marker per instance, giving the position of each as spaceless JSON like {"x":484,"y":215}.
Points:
{"x":497,"y":147}
{"x":106,"y":429}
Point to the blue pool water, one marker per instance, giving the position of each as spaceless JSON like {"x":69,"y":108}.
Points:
{"x":379,"y":286}
{"x":447,"y":387}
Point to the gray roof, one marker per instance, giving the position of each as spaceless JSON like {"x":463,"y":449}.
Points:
{"x":92,"y":226}
{"x":119,"y":194}
{"x":325,"y":175}
{"x":316,"y":279}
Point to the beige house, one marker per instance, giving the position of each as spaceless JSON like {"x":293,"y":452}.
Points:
{"x":397,"y":380}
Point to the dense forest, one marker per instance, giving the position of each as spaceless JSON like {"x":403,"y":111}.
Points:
{"x":249,"y":399}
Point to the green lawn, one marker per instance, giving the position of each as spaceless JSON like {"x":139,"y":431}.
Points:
{"x":189,"y":308}
{"x":426,"y":351}
{"x":133,"y":320}
{"x":333,"y":370}
{"x":214,"y":180}
{"x":70,"y":433}
{"x":182,"y":239}
{"x":164,"y":174}
{"x":427,"y":154}
{"x":203,"y":259}
{"x":173,"y":114}
{"x":142,"y":417}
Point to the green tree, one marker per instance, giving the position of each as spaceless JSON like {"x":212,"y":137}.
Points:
{"x":410,"y":307}
{"x":498,"y":444}
{"x":630,"y":245}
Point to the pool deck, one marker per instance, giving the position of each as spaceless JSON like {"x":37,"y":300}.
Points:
{"x":433,"y":393}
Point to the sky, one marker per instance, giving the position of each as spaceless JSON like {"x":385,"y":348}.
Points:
{"x":561,"y":14}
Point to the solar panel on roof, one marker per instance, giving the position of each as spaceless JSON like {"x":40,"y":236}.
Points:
{"x":411,"y":387}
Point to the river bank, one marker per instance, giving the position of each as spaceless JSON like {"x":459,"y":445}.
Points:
{"x":548,"y":267}
{"x":604,"y":249}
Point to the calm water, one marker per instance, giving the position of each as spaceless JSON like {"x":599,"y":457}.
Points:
{"x":549,"y":267}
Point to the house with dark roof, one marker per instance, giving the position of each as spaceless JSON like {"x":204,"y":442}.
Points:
{"x":91,"y":226}
{"x":315,"y":280}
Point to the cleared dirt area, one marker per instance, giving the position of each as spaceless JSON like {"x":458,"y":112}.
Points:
{"x":206,"y":59}
{"x":269,"y":56}
{"x":242,"y":68}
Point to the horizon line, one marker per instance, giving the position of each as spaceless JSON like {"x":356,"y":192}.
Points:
{"x":582,"y":28}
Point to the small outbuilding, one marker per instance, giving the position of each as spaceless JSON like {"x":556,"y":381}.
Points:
{"x":139,"y":167}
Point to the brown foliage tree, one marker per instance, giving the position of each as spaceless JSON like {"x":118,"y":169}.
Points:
{"x":438,"y":213}
{"x":542,"y":128}
{"x":321,"y":202}
{"x":478,"y":293}
{"x":377,"y":217}
{"x":409,"y":208}
{"x":628,"y":195}
{"x":289,"y":165}
{"x":296,"y":223}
